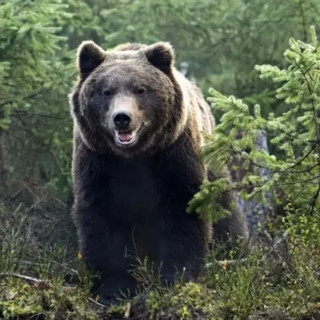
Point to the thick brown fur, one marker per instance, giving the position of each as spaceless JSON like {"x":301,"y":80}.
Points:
{"x":131,"y":196}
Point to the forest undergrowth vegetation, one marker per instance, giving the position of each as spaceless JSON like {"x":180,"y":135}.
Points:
{"x":280,"y":281}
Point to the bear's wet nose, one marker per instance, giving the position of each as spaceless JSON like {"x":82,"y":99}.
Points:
{"x":122,"y":120}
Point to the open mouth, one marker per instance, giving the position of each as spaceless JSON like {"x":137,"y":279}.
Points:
{"x":125,"y":138}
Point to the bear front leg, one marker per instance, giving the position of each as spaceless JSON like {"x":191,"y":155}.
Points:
{"x":232,"y":231}
{"x":104,"y":249}
{"x":184,"y":251}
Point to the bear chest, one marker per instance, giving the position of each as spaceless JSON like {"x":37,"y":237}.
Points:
{"x":136,"y":190}
{"x":132,"y":190}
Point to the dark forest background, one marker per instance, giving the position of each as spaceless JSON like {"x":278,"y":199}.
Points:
{"x":217,"y":43}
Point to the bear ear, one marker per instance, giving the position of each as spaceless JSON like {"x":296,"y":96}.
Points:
{"x":161,"y":56}
{"x":90,"y":56}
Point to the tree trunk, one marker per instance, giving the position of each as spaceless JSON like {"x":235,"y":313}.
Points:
{"x":256,"y":213}
{"x":4,"y":166}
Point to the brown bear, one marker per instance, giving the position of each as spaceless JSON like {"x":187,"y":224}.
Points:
{"x":138,"y":126}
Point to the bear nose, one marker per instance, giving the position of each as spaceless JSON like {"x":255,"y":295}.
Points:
{"x":122,"y":119}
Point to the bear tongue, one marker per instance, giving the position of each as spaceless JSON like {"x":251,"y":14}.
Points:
{"x":125,"y":137}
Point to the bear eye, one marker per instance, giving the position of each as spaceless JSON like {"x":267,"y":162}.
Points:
{"x":107,"y":93}
{"x":141,"y":91}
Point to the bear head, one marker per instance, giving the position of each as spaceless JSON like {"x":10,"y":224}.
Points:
{"x":128,"y":100}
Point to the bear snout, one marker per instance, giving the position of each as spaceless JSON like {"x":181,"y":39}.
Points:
{"x":122,"y":120}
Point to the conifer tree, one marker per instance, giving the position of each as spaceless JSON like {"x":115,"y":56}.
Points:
{"x":293,"y":168}
{"x":33,"y":83}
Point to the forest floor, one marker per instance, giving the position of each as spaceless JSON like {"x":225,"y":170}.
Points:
{"x":47,"y":279}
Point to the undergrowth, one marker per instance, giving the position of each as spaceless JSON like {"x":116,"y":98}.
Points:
{"x":274,"y":282}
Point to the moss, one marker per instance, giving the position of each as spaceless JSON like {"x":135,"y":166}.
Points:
{"x":189,"y":301}
{"x":53,"y":301}
{"x":18,"y":298}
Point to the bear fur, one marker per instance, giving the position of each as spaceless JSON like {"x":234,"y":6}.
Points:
{"x":138,"y":129}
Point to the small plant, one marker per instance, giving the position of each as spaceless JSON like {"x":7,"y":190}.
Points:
{"x":15,"y":239}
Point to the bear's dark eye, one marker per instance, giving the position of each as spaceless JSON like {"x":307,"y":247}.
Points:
{"x":141,"y":91}
{"x":107,"y":93}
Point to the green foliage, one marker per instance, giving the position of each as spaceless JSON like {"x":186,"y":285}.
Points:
{"x":304,"y":229}
{"x":35,"y":73}
{"x":214,"y":43}
{"x":63,"y":285}
{"x":299,"y":287}
{"x":189,"y":301}
{"x":14,"y":240}
{"x":27,"y":303}
{"x":24,"y":299}
{"x":274,"y":284}
{"x":220,"y":41}
{"x":294,"y":169}
{"x":282,"y":285}
{"x":27,"y":44}
{"x":146,"y":274}
{"x":206,"y":202}
{"x":239,"y":289}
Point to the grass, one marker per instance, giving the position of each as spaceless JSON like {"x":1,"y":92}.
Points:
{"x":283,"y":284}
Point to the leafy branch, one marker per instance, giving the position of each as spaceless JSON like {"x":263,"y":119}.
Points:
{"x":290,"y":172}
